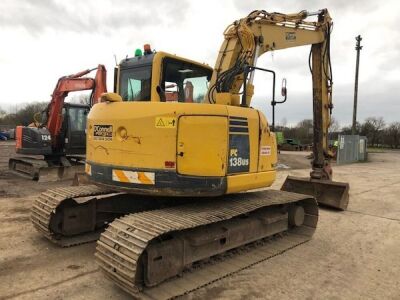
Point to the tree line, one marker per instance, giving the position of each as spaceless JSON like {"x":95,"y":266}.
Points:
{"x":23,"y":116}
{"x":377,"y":131}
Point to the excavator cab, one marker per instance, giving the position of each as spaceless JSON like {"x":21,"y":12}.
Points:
{"x":37,"y":140}
{"x":158,"y":77}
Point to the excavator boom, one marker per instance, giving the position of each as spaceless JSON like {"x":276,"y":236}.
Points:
{"x":65,"y":85}
{"x":260,"y":32}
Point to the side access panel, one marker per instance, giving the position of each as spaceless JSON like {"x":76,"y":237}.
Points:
{"x":202,"y":145}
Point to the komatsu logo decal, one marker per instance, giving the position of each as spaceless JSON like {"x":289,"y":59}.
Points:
{"x":102,"y":132}
{"x":291,"y":36}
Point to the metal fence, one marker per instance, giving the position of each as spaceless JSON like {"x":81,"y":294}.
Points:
{"x":351,"y":148}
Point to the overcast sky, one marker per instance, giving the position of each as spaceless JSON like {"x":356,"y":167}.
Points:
{"x":43,"y":40}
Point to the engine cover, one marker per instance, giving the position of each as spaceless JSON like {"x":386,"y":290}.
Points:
{"x":33,"y":141}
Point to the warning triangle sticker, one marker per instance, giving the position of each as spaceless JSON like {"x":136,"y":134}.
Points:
{"x":160,"y":123}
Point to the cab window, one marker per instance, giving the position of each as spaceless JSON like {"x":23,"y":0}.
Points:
{"x":77,"y":118}
{"x":183,"y":81}
{"x":135,"y":84}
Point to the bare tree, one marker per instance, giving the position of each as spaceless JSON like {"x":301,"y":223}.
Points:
{"x":80,"y":98}
{"x":392,"y":135}
{"x":283,"y":122}
{"x":84,"y":99}
{"x":348,"y":129}
{"x":2,"y":112}
{"x":372,"y":128}
{"x":25,"y":115}
{"x":302,"y":131}
{"x":334,"y":126}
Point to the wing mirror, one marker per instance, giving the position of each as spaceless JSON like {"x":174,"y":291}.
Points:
{"x":284,"y":89}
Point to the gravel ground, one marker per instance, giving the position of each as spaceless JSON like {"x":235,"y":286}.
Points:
{"x":353,"y":255}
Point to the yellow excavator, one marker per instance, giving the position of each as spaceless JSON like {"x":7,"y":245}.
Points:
{"x":173,"y":151}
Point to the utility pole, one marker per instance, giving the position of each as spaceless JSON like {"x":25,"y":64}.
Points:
{"x":358,"y":48}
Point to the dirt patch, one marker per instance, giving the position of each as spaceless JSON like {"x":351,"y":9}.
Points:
{"x":13,"y":185}
{"x":20,"y":219}
{"x":23,"y":210}
{"x":293,"y":160}
{"x":74,"y":267}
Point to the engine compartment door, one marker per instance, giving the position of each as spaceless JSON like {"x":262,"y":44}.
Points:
{"x":202,"y":145}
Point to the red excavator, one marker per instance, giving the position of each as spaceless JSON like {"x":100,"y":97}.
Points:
{"x":61,"y":136}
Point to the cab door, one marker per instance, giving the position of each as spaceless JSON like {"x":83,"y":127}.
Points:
{"x":202,"y":145}
{"x":75,"y":139}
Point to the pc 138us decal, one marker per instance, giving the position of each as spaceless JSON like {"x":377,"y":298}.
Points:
{"x":239,"y":146}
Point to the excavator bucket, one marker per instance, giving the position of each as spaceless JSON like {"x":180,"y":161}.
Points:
{"x":326,"y":192}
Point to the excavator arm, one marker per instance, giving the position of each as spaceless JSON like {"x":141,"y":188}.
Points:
{"x":249,"y":38}
{"x":72,"y":83}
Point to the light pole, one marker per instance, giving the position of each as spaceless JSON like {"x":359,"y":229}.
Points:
{"x":358,"y":48}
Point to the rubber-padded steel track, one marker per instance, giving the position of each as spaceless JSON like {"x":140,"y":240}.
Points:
{"x":46,"y":204}
{"x":121,"y":246}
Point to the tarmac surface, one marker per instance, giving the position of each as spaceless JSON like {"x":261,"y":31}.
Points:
{"x":353,"y":255}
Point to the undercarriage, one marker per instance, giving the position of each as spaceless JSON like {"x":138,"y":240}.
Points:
{"x":151,"y":243}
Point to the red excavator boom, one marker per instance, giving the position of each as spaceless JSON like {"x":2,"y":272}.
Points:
{"x":72,"y":83}
{"x":60,"y":139}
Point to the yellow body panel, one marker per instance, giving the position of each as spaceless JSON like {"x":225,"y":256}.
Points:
{"x":268,"y":150}
{"x":136,"y":140}
{"x":244,"y":182}
{"x":128,"y":135}
{"x":202,"y":145}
